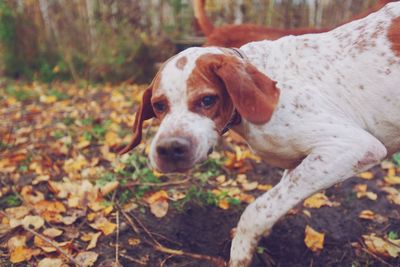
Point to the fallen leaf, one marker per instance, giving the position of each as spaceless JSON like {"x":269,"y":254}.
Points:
{"x":392,"y":180}
{"x":103,"y":225}
{"x":52,"y":232}
{"x":393,"y":194}
{"x":109,"y":187}
{"x":361,"y":190}
{"x":31,"y":221}
{"x":314,"y":240}
{"x":264,"y":187}
{"x":249,"y":186}
{"x":377,"y":245}
{"x":92,"y":237}
{"x":366,"y":175}
{"x":223,"y":204}
{"x":87,"y":258}
{"x":51,"y":262}
{"x":134,"y":241}
{"x":318,"y":200}
{"x":367,"y":214}
{"x":159,"y":208}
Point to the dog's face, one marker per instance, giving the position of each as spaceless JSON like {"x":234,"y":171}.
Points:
{"x":195,"y":95}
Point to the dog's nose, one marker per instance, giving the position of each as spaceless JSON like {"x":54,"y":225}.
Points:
{"x":173,"y":148}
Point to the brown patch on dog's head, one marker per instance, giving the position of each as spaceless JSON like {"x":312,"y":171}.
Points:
{"x":394,"y":36}
{"x":181,"y":63}
{"x":236,"y":84}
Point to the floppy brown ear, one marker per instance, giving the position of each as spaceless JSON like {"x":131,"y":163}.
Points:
{"x":253,"y":94}
{"x":145,"y":112}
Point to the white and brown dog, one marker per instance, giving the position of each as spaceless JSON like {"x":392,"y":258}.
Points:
{"x":322,"y":106}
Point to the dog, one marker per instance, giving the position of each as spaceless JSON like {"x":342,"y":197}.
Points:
{"x":237,"y":35}
{"x":324,"y":107}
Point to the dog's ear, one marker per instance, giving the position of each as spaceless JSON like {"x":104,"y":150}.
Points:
{"x":253,"y":94}
{"x":144,"y":112}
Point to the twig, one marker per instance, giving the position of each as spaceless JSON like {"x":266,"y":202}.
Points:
{"x":140,"y":262}
{"x":162,"y":264}
{"x":376,"y":257}
{"x":117,"y":240}
{"x":158,"y":184}
{"x":53,"y":245}
{"x":158,"y":247}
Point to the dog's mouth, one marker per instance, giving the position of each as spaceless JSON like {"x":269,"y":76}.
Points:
{"x":173,"y":165}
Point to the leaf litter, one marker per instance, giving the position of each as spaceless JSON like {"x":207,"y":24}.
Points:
{"x":62,"y":185}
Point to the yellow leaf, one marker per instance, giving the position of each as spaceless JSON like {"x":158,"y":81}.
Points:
{"x":111,"y":138}
{"x":159,"y":195}
{"x":392,"y":180}
{"x":21,"y":254}
{"x":264,"y":187}
{"x":318,"y":200}
{"x":246,"y":198}
{"x":104,"y":225}
{"x":48,"y":99}
{"x":314,"y":240}
{"x":134,"y":241}
{"x":367,"y":214}
{"x":92,"y":237}
{"x":382,"y":247}
{"x":366,"y":175}
{"x":223,"y":204}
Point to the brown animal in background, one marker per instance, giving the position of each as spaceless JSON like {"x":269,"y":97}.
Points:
{"x":238,"y":35}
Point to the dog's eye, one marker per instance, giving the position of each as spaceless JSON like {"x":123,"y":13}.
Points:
{"x":208,"y":101}
{"x":159,"y":106}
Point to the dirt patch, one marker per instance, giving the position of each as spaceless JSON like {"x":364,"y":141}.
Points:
{"x":206,"y":230}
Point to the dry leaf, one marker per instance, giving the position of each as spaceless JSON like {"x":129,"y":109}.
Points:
{"x":109,"y":187}
{"x":366,"y":175}
{"x":104,"y":225}
{"x":34,"y":222}
{"x":367,"y":214}
{"x":264,"y":187}
{"x":92,"y":237}
{"x":159,"y":208}
{"x":21,"y":254}
{"x":52,"y":232}
{"x":223,"y":204}
{"x":314,"y":240}
{"x":87,"y":258}
{"x":361,"y":190}
{"x":377,"y":245}
{"x":134,"y":241}
{"x":51,"y":262}
{"x":392,"y":180}
{"x":249,"y":186}
{"x":318,"y":200}
{"x":394,"y":194}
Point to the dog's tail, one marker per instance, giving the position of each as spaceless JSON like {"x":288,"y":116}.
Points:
{"x":204,"y":22}
{"x":378,"y":5}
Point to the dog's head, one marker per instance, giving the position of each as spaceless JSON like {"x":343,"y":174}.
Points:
{"x":195,"y":95}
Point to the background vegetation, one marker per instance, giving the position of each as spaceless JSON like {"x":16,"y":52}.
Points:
{"x":109,"y":40}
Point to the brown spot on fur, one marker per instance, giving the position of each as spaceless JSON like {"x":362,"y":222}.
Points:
{"x":236,"y":84}
{"x":394,"y":35}
{"x":181,"y":63}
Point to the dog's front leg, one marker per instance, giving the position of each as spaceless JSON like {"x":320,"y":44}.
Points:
{"x":330,"y":162}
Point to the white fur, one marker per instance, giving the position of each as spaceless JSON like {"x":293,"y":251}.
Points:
{"x":338,"y":114}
